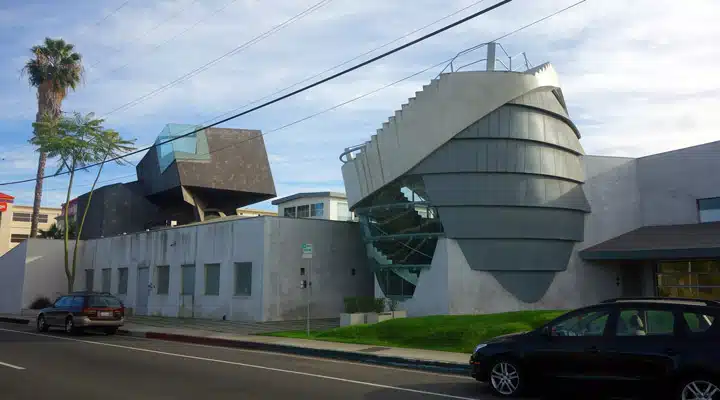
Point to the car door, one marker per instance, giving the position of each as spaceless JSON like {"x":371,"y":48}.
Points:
{"x":643,"y":344}
{"x":572,"y":347}
{"x":54,"y":316}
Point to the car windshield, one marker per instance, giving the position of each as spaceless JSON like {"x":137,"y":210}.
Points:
{"x":104,"y":301}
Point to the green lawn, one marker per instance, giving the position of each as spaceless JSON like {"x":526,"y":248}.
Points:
{"x":457,"y":333}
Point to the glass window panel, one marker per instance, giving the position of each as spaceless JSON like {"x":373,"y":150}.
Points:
{"x":317,"y":210}
{"x":212,"y":279}
{"x":122,"y":280}
{"x":674,"y":266}
{"x":106,"y":279}
{"x":587,"y":324}
{"x":289,"y":212}
{"x":303,"y":211}
{"x":163,"y":279}
{"x":645,"y":323}
{"x":698,"y":322}
{"x":243,"y":278}
{"x":188,"y":280}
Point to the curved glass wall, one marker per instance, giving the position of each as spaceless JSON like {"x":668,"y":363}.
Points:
{"x":191,"y":147}
{"x":400,"y":228}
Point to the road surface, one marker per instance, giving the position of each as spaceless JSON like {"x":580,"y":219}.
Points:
{"x":94,"y":366}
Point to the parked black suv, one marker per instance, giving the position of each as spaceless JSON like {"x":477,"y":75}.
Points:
{"x":667,"y":346}
{"x":79,"y":310}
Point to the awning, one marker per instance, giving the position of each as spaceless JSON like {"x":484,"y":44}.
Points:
{"x":660,"y":242}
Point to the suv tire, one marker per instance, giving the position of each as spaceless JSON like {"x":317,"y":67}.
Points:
{"x":41,"y":324}
{"x":698,"y":387}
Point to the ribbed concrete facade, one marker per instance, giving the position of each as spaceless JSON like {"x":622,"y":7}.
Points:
{"x":497,"y":158}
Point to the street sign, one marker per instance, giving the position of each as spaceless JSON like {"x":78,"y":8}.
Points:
{"x":307,"y":250}
{"x":3,"y":207}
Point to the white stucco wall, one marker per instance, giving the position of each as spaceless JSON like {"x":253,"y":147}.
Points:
{"x":12,"y":273}
{"x":337,"y":250}
{"x":45,"y":269}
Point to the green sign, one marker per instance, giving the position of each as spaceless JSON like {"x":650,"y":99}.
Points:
{"x":307,"y":250}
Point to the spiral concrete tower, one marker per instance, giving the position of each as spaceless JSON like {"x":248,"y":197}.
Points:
{"x":488,"y":159}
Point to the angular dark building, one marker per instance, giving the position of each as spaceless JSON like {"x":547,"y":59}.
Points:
{"x":206,"y":175}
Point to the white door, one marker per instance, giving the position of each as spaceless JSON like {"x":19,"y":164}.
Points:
{"x":143,"y":291}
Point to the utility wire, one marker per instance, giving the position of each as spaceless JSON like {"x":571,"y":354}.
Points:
{"x":186,"y":30}
{"x":334,"y":76}
{"x":232,"y":52}
{"x":288,"y":95}
{"x":166,"y":20}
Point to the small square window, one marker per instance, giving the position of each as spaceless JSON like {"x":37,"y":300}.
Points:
{"x":302,"y":271}
{"x":317,"y":210}
{"x":212,"y":279}
{"x":289,"y":212}
{"x":243,"y":279}
{"x":303,"y":211}
{"x":163,"y":279}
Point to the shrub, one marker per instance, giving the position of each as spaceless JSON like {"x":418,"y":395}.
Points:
{"x":40,"y":302}
{"x":364,"y":305}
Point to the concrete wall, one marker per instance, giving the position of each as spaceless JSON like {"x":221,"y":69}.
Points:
{"x":671,"y":183}
{"x":271,"y":244}
{"x":437,"y":113}
{"x":45,"y":270}
{"x":337,"y":251}
{"x":12,"y":274}
{"x":223,"y":243}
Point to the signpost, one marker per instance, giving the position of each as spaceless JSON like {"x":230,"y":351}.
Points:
{"x":307,"y":253}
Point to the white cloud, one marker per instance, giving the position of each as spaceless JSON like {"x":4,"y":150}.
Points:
{"x":639,"y":77}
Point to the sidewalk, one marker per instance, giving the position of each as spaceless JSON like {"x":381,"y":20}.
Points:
{"x":437,"y":361}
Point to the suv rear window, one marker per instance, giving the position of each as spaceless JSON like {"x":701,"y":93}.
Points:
{"x":699,"y":322}
{"x":104,"y":302}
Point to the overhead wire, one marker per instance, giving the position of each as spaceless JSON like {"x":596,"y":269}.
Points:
{"x":232,"y":52}
{"x":288,"y":95}
{"x":325,"y":80}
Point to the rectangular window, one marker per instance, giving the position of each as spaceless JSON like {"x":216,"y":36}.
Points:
{"x":18,"y":237}
{"x":122,"y":280}
{"x":163,"y":279}
{"x":317,"y":210}
{"x":303,"y":211}
{"x":645,"y":323}
{"x":698,"y":323}
{"x":106,"y":279}
{"x":27,"y":217}
{"x":212,"y":279}
{"x":89,"y":275}
{"x":243,"y":279}
{"x":289,"y":212}
{"x":709,"y":209}
{"x":188,"y":279}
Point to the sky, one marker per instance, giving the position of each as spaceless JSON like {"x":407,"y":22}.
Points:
{"x":639,"y":77}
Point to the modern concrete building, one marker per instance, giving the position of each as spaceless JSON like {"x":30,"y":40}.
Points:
{"x":208,"y":174}
{"x":476,"y":196}
{"x":15,"y":221}
{"x":321,"y":205}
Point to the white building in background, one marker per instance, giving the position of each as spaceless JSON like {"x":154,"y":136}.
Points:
{"x":319,"y":205}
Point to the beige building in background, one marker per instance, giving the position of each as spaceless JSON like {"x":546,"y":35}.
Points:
{"x":15,"y":222}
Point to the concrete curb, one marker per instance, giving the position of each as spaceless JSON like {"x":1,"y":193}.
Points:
{"x":16,"y":320}
{"x":425,"y":365}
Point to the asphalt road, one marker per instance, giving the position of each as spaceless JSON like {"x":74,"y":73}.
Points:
{"x":94,"y":366}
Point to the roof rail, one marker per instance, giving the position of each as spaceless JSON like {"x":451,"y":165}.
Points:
{"x":714,"y":303}
{"x":90,"y":292}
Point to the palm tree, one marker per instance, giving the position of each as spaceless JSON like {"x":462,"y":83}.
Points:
{"x":54,"y":70}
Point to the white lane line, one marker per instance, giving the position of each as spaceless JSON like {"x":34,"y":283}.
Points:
{"x":399,"y":369}
{"x":332,"y":378}
{"x":11,"y":366}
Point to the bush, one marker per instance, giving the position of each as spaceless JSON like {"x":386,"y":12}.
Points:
{"x":40,"y":302}
{"x":363,"y":305}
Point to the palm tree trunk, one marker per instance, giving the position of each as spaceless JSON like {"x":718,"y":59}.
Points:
{"x":38,"y":195}
{"x":85,"y":211}
{"x":47,"y":102}
{"x":69,"y":274}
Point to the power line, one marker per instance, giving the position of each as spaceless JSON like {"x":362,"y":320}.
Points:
{"x":186,"y":30}
{"x":173,"y":16}
{"x":425,"y":37}
{"x":293,"y":93}
{"x":234,"y":51}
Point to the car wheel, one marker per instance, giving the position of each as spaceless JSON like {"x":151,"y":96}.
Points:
{"x":70,"y":327}
{"x":505,"y":378}
{"x":42,"y":325}
{"x":111,"y":331}
{"x":699,"y":388}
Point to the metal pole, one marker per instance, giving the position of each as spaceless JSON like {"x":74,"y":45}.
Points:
{"x":309,"y":293}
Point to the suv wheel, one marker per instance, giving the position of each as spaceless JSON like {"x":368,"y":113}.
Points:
{"x":505,"y":378}
{"x":70,"y":327}
{"x":42,"y":325}
{"x":699,"y":388}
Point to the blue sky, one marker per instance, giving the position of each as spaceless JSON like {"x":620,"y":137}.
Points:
{"x":639,"y":77}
